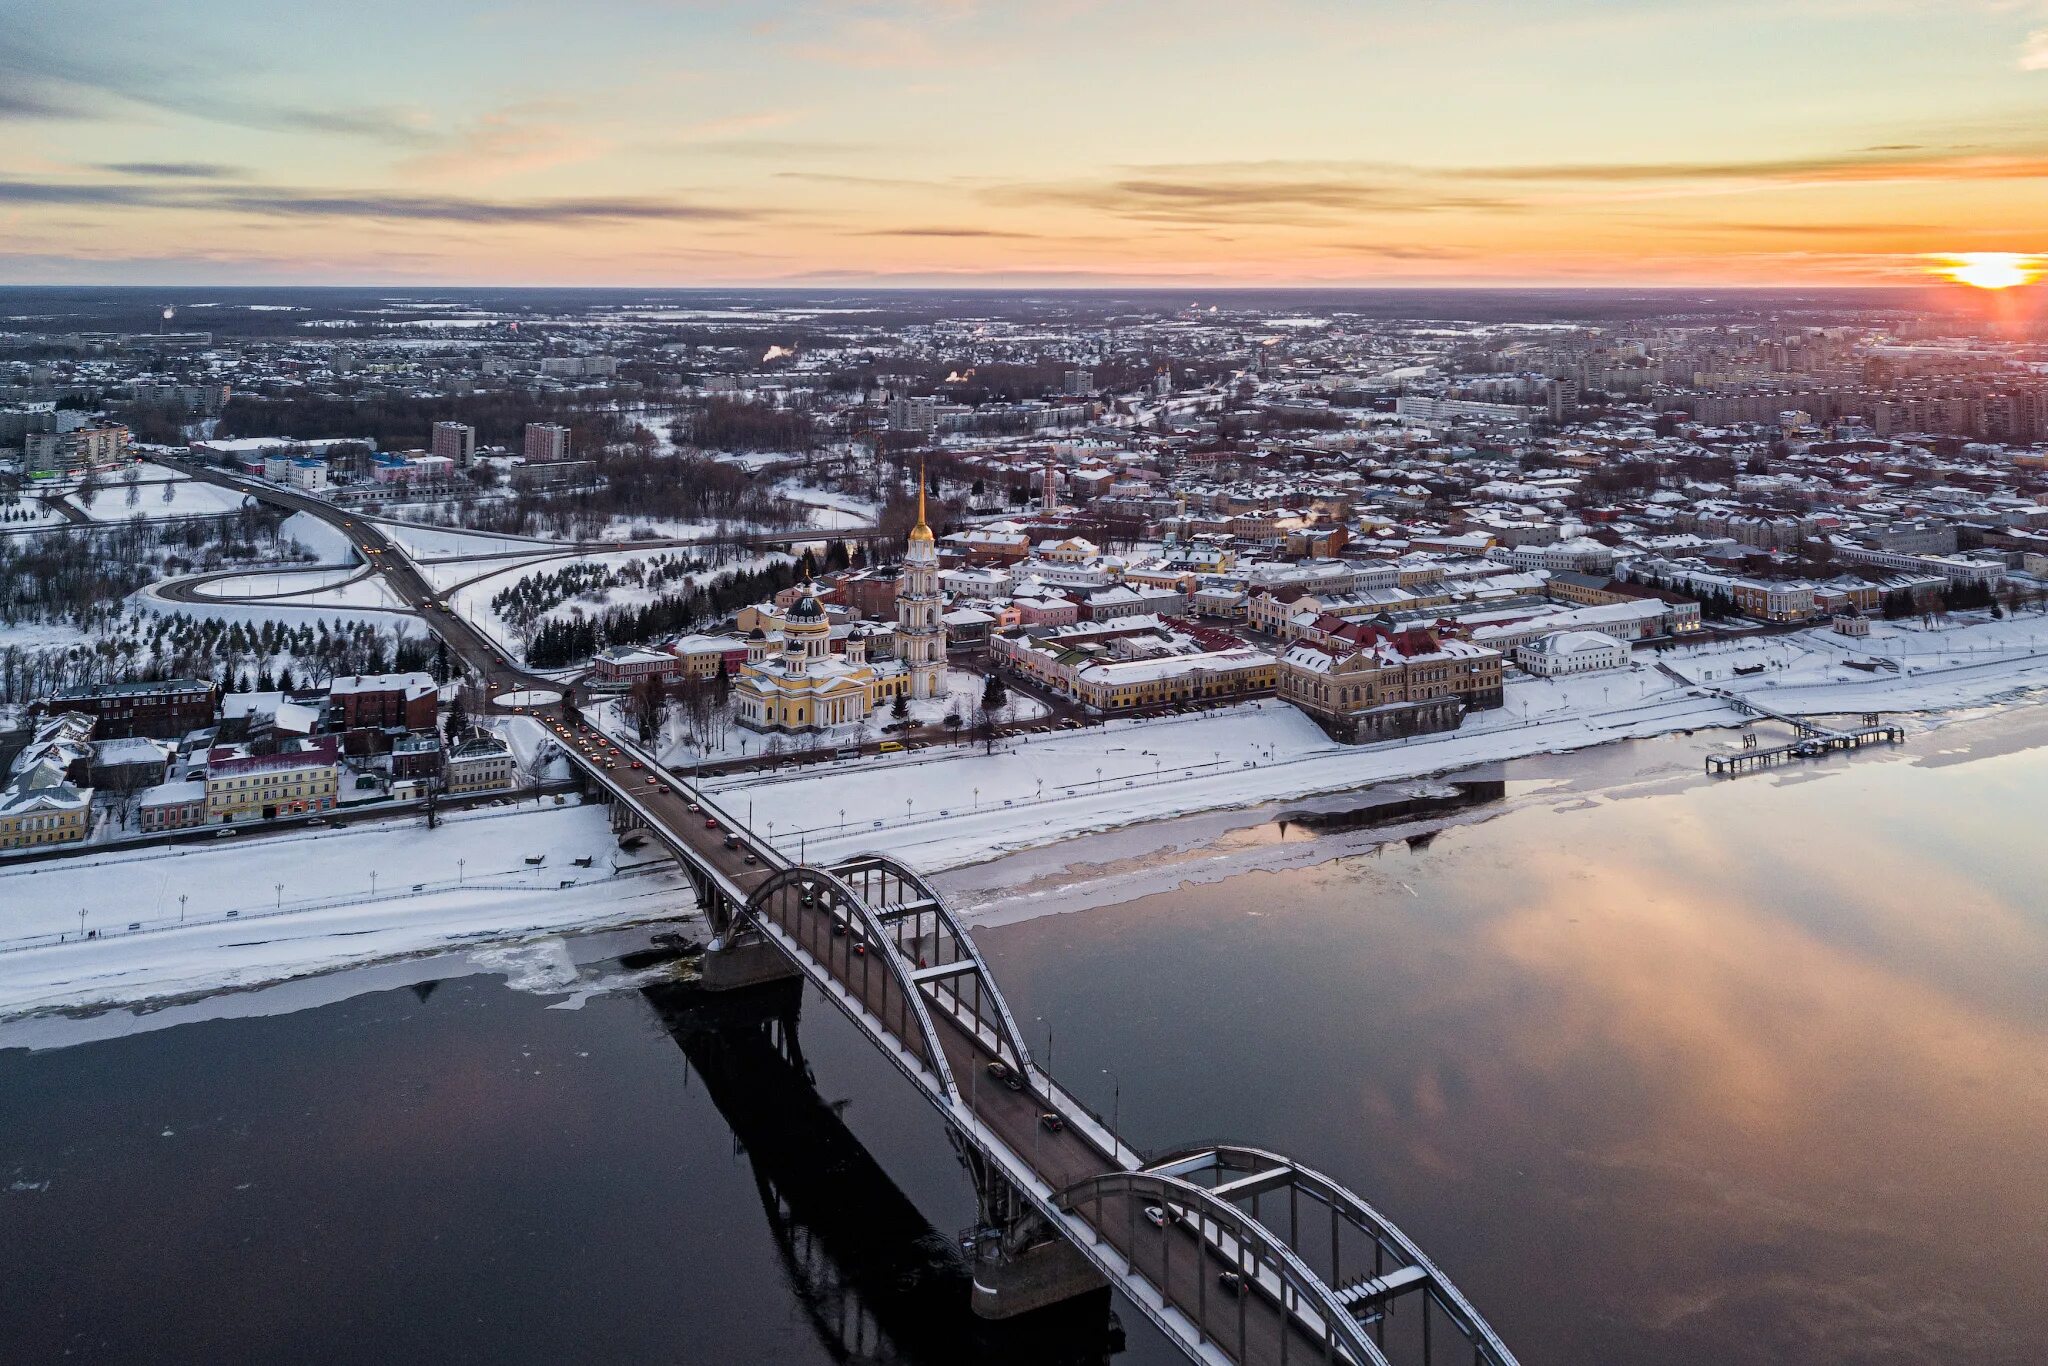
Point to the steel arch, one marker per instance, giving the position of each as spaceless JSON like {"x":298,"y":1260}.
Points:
{"x":952,"y":938}
{"x":1331,"y":1322}
{"x":802,"y":879}
{"x":1238,"y":1158}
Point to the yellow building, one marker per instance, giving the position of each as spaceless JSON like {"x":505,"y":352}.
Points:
{"x":266,"y":786}
{"x":1116,"y":685}
{"x":39,"y":807}
{"x":796,"y":683}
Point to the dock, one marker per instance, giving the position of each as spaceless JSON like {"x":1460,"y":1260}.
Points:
{"x":1813,"y":739}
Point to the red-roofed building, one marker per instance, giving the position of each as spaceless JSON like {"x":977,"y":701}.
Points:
{"x":290,"y":782}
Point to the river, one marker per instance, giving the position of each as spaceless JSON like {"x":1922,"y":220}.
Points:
{"x":1657,"y":1069}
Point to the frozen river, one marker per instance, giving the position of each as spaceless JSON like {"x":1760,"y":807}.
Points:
{"x":1658,"y":1069}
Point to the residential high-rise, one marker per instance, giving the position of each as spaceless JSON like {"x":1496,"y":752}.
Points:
{"x":920,"y":635}
{"x":546,"y":443}
{"x":455,"y":441}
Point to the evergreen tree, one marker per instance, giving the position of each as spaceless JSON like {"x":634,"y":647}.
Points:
{"x":458,"y":720}
{"x":900,"y":708}
{"x":994,"y":696}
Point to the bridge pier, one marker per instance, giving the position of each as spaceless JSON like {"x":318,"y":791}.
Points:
{"x":1044,"y":1274}
{"x":1019,"y":1263}
{"x":730,"y":966}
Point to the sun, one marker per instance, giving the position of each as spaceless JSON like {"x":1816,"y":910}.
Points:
{"x":1990,"y":269}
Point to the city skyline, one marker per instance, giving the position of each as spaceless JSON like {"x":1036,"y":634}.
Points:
{"x":934,"y":142}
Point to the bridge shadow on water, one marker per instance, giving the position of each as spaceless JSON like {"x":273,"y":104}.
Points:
{"x":879,"y":1285}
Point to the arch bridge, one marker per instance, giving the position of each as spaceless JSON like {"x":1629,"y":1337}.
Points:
{"x":1237,"y":1254}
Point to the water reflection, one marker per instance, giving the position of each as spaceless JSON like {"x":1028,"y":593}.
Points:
{"x":1753,"y":1072}
{"x":877,"y":1283}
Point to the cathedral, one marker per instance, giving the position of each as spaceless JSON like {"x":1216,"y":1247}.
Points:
{"x":793,"y":681}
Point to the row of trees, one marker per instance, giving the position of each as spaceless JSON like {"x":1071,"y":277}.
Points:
{"x":82,"y":578}
{"x":531,"y":598}
{"x":240,"y":657}
{"x":558,"y":642}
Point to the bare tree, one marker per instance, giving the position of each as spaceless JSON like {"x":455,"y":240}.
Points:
{"x":647,"y":706}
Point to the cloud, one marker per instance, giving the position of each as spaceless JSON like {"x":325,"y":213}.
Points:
{"x":951,"y":232}
{"x":267,"y":201}
{"x":2034,"y":52}
{"x":1244,"y":199}
{"x":1891,"y":162}
{"x":20,"y":100}
{"x":170,"y":170}
{"x":58,"y":70}
{"x":504,"y":142}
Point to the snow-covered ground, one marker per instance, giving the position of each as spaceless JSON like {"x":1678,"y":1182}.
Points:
{"x":433,"y":542}
{"x":829,"y":511}
{"x":41,"y":636}
{"x":330,"y":916}
{"x":31,"y":511}
{"x":322,"y":540}
{"x":272,"y":583}
{"x":651,"y":528}
{"x":161,"y":492}
{"x":473,"y":600}
{"x":306,"y":612}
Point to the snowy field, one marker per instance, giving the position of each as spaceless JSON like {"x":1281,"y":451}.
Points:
{"x":322,"y":540}
{"x":273,"y":583}
{"x":330,"y":915}
{"x":162,"y":492}
{"x":30,"y":511}
{"x":661,"y":528}
{"x":308,"y":612}
{"x":433,"y":542}
{"x":472,"y":600}
{"x":829,"y":511}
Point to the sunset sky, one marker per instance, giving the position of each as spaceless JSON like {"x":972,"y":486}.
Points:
{"x":679,"y":142}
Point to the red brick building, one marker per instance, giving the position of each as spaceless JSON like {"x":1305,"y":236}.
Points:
{"x":385,"y":701}
{"x":158,"y":711}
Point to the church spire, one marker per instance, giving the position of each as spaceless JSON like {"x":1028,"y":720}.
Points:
{"x":920,"y":532}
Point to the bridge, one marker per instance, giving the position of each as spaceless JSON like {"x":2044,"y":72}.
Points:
{"x":1236,"y":1254}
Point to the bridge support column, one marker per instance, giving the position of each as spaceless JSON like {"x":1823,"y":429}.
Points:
{"x":1043,"y":1274}
{"x":729,"y":966}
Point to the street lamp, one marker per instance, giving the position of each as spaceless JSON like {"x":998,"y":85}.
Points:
{"x":279,"y":888}
{"x":460,"y":864}
{"x":181,"y":907}
{"x":1116,"y":1099}
{"x":373,"y":882}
